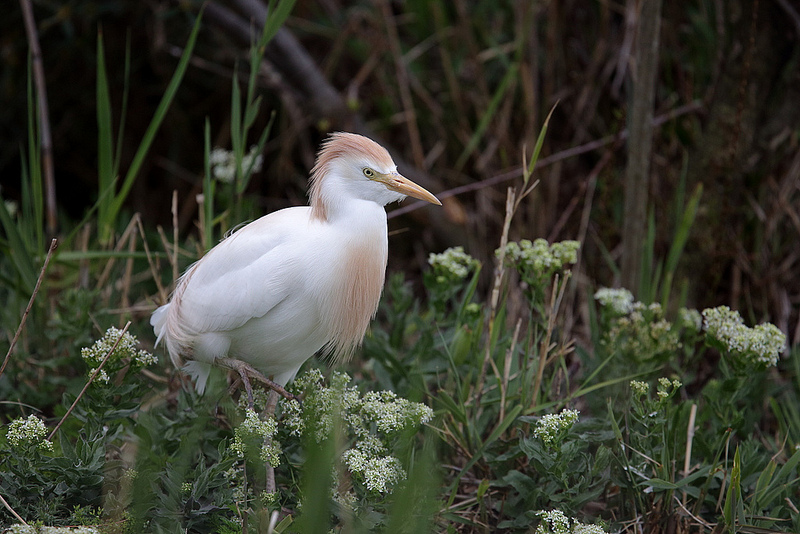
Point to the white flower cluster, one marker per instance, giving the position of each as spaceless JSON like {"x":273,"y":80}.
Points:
{"x":639,"y":388}
{"x":761,"y":345}
{"x":369,"y":460}
{"x":539,"y":259}
{"x":126,"y":349}
{"x":223,"y":163}
{"x":453,"y":263}
{"x":552,"y":428}
{"x":620,"y":301}
{"x":28,"y":432}
{"x":253,"y":427}
{"x":643,"y":333}
{"x":666,"y":387}
{"x":374,"y":420}
{"x":555,"y":522}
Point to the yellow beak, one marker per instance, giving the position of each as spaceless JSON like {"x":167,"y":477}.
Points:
{"x":401,"y":184}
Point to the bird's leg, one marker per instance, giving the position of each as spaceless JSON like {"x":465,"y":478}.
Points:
{"x":272,"y":402}
{"x":242,"y":380}
{"x":246,"y":371}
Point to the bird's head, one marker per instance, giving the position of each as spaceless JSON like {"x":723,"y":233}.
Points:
{"x":353,"y":166}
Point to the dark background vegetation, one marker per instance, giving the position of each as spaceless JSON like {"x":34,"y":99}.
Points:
{"x":421,"y":77}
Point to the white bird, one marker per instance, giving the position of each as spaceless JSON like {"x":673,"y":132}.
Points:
{"x":295,"y":281}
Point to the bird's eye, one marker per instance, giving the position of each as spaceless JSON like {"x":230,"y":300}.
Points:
{"x":369,"y":173}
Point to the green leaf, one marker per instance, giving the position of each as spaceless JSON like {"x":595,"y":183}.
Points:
{"x":105,"y":148}
{"x":115,"y":204}
{"x":483,"y":124}
{"x":538,"y":147}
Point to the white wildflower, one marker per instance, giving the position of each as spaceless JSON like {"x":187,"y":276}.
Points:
{"x":555,"y":522}
{"x":453,"y":263}
{"x":761,"y":345}
{"x":126,"y":351}
{"x":539,"y":259}
{"x":552,"y":428}
{"x":28,"y":432}
{"x":620,"y":301}
{"x":254,"y":428}
{"x":639,"y":388}
{"x":223,"y":163}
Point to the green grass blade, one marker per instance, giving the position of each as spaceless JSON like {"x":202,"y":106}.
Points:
{"x":679,"y":242}
{"x":209,"y":186}
{"x":152,"y":129}
{"x":276,"y":18}
{"x":124,"y":107}
{"x":537,"y":149}
{"x":502,"y":88}
{"x":648,"y":285}
{"x":248,"y":172}
{"x":33,"y":196}
{"x":20,"y":255}
{"x":105,"y":148}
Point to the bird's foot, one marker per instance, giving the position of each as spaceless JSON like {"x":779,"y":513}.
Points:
{"x":247,"y":372}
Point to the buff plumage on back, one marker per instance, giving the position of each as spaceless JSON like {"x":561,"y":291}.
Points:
{"x":340,"y":144}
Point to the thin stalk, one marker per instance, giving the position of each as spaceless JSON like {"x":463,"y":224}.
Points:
{"x":44,"y":114}
{"x":53,"y":245}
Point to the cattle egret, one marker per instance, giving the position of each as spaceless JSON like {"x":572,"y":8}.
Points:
{"x":301,"y":279}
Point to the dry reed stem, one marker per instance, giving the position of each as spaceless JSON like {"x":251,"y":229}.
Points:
{"x":123,"y":240}
{"x":45,"y":137}
{"x":153,"y":271}
{"x":698,"y":520}
{"x":174,"y":261}
{"x":13,"y":512}
{"x":556,"y":297}
{"x":499,"y":271}
{"x":687,"y":459}
{"x":125,"y":283}
{"x":53,"y":245}
{"x":91,"y":379}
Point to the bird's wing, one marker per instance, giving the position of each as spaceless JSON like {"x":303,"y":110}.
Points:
{"x":244,"y":276}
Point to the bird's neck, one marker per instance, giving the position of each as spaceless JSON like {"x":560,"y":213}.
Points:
{"x":331,"y":203}
{"x":354,"y":215}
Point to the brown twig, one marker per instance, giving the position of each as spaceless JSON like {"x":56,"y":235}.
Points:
{"x":687,"y":459}
{"x":13,"y":512}
{"x":150,"y":262}
{"x":516,"y":172}
{"x":174,"y":261}
{"x":511,"y":203}
{"x":53,"y":245}
{"x":556,"y":297}
{"x":91,"y":379}
{"x":45,"y":137}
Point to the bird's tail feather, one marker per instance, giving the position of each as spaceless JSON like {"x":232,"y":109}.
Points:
{"x":200,"y":372}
